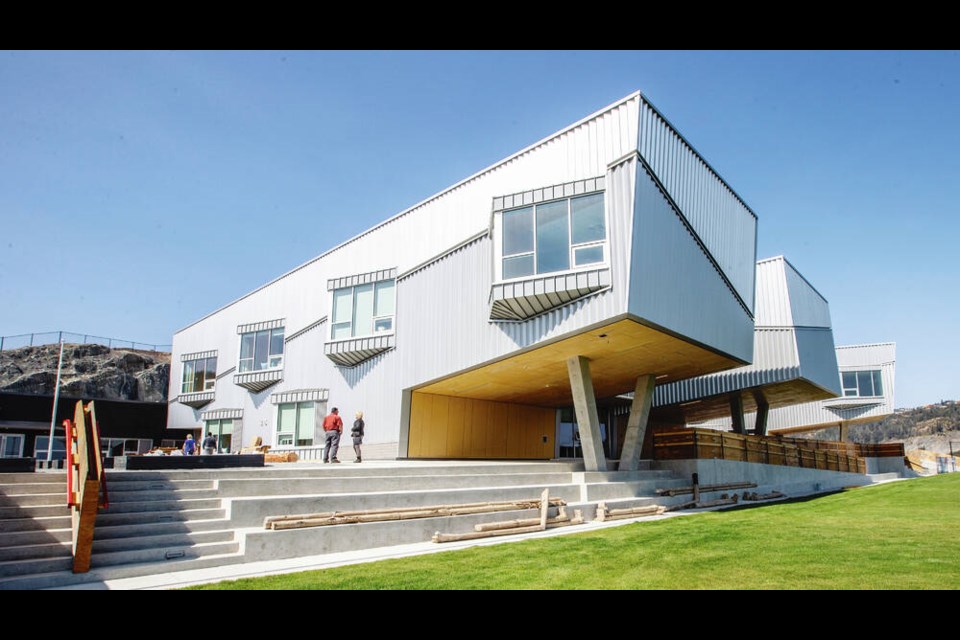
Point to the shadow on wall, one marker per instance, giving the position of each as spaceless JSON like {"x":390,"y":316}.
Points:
{"x":531,"y":331}
{"x":354,"y":375}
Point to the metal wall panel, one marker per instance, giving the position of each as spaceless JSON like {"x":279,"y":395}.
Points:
{"x":772,"y":307}
{"x":834,"y":410}
{"x":720,"y":217}
{"x":775,"y":360}
{"x":818,"y":357}
{"x":786,"y":299}
{"x":675,"y":285}
{"x":809,"y":308}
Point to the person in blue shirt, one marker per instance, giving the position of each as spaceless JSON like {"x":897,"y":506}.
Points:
{"x":189,"y":445}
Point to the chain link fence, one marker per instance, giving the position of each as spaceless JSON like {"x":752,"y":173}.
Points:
{"x":55,"y":337}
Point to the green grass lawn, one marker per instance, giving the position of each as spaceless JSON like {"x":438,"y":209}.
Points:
{"x":903,"y":535}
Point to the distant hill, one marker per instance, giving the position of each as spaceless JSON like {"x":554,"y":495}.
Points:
{"x":90,"y":371}
{"x":932,"y":427}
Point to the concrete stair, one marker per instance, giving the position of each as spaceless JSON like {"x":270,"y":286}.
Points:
{"x":160,"y":522}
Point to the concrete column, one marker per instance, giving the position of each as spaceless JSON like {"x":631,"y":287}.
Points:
{"x":637,"y":423}
{"x":736,"y":413}
{"x":844,"y":432}
{"x":585,"y":403}
{"x":763,"y":409}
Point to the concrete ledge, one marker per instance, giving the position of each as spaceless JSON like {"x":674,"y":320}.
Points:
{"x":292,"y":543}
{"x":250,"y":512}
{"x":17,"y":465}
{"x":728,"y":471}
{"x":159,"y":463}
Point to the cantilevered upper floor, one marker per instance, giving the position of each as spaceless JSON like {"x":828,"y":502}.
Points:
{"x":794,"y":359}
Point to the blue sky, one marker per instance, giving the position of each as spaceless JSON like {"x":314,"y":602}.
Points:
{"x":140,"y":191}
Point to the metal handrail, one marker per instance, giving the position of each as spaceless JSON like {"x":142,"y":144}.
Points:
{"x":55,"y":337}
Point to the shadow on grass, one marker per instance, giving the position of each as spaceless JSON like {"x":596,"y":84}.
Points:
{"x":753,"y":505}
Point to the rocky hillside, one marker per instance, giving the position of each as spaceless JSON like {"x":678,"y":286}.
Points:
{"x":932,"y":427}
{"x":90,"y":371}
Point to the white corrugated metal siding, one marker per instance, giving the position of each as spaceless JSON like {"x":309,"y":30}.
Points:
{"x":720,"y":217}
{"x":674,"y":284}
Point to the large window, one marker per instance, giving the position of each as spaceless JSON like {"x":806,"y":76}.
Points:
{"x":261,"y":350}
{"x":11,"y":445}
{"x":295,"y":424}
{"x":223,"y":431}
{"x":363,"y":310}
{"x":199,"y":375}
{"x":862,"y":383}
{"x":553,"y":236}
{"x":41,"y":443}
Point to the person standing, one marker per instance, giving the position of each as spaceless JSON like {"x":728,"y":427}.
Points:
{"x":332,"y":428}
{"x":357,"y":434}
{"x":189,"y":445}
{"x":209,"y":444}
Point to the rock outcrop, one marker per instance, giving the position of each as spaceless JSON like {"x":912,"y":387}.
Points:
{"x":90,"y":371}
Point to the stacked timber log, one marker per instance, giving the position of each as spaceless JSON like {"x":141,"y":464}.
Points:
{"x":303,"y":520}
{"x":754,"y":496}
{"x":513,"y":527}
{"x":604,"y":514}
{"x":697,"y":488}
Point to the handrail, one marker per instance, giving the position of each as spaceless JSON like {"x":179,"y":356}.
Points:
{"x":55,"y":337}
{"x":86,"y":482}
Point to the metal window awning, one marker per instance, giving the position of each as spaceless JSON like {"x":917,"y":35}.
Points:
{"x":527,"y":298}
{"x":260,"y":326}
{"x":222,"y":414}
{"x":199,"y":355}
{"x":349,"y":353}
{"x":196,"y":400}
{"x":257,"y":381}
{"x":361,"y":278}
{"x":300,"y":395}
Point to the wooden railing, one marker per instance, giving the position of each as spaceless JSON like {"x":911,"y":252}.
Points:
{"x":86,"y":482}
{"x":684,"y":444}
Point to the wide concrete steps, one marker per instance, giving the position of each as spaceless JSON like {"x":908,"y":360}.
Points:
{"x":42,"y":511}
{"x":384,"y":482}
{"x":65,"y":578}
{"x":344,"y":470}
{"x":36,"y":536}
{"x":34,"y":499}
{"x":42,"y":523}
{"x":110,"y":518}
{"x":25,"y":488}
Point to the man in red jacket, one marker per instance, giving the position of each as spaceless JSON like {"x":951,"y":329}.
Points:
{"x":332,"y":428}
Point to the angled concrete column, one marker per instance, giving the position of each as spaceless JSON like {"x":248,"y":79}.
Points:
{"x":763,"y":409}
{"x":736,"y":412}
{"x":637,"y":423}
{"x":844,"y":432}
{"x":585,"y":403}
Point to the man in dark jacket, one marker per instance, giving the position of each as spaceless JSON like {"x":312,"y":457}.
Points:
{"x":209,"y":444}
{"x":332,"y":428}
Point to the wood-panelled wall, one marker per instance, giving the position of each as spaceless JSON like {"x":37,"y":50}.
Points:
{"x":448,"y":427}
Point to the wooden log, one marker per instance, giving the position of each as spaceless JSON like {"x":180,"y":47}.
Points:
{"x":718,"y":503}
{"x":517,"y":505}
{"x":681,"y":506}
{"x":522,"y":522}
{"x":763,"y":496}
{"x":544,"y":508}
{"x":652,"y":510}
{"x":676,"y":491}
{"x":601,"y":512}
{"x":477,"y":535}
